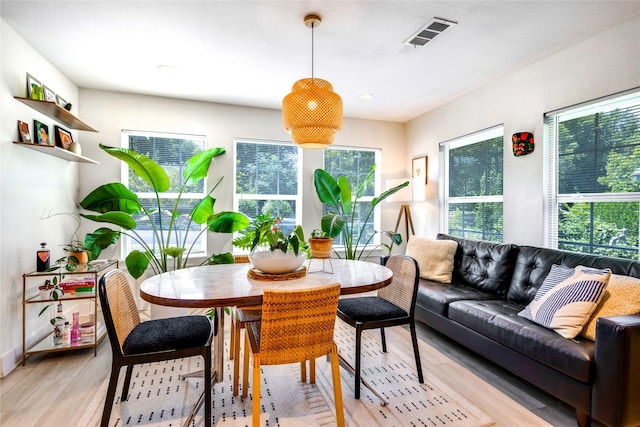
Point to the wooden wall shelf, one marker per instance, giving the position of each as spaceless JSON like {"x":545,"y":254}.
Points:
{"x":52,"y":150}
{"x":57,"y":113}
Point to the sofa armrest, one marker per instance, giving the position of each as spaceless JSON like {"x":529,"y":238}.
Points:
{"x":616,"y":390}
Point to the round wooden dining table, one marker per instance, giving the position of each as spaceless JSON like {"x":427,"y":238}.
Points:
{"x":229,"y":285}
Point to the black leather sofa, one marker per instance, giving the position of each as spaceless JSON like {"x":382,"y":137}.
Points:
{"x":492,"y":282}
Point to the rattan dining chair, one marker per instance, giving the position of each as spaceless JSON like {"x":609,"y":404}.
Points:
{"x":134,"y":342}
{"x":296,"y":325}
{"x":394,"y":305}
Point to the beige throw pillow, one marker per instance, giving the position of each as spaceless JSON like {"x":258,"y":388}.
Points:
{"x":621,"y":297}
{"x":435,"y":257}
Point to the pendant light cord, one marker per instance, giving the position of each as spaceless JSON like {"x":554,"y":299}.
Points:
{"x":312,"y":27}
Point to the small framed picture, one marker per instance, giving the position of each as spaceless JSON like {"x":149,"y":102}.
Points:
{"x":42,"y":132}
{"x":23,"y":129}
{"x":419,"y":168}
{"x":63,"y":137}
{"x":34,"y":88}
{"x":49,"y":95}
{"x":60,"y":101}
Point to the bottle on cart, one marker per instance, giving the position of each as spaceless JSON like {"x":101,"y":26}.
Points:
{"x":76,"y":337}
{"x":43,"y":259}
{"x":58,"y":326}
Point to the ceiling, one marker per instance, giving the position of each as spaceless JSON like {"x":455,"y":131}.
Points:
{"x":251,"y":52}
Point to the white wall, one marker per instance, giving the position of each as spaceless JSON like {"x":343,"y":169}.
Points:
{"x":605,"y":64}
{"x":31,"y":184}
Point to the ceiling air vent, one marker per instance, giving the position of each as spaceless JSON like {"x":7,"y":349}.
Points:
{"x":431,"y":29}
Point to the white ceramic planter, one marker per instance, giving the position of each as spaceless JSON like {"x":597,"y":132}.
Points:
{"x":277,"y":262}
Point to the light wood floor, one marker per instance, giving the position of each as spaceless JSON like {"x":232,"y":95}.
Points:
{"x":67,"y":389}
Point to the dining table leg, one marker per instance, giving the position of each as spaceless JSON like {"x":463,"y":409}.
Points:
{"x":218,"y":361}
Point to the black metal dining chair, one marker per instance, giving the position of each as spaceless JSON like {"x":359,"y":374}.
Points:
{"x":134,"y":342}
{"x":392,"y":306}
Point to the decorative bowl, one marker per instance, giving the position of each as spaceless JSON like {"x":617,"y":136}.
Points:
{"x":277,"y":262}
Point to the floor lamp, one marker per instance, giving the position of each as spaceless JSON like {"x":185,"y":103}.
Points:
{"x":403,"y":196}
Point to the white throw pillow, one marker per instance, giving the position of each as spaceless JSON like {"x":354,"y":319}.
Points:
{"x":435,"y":257}
{"x":567,"y":299}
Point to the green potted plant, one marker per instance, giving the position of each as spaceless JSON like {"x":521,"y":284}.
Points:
{"x":320,"y":244}
{"x":116,"y":204}
{"x":343,"y":202}
{"x":50,"y":289}
{"x":280,"y":252}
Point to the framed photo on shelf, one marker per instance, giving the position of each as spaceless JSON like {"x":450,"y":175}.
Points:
{"x":23,"y":129}
{"x":49,"y":95}
{"x":419,"y":168}
{"x":34,"y":88}
{"x":42,"y":133}
{"x":60,"y":101}
{"x":63,"y":137}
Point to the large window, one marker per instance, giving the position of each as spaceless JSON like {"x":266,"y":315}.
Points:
{"x":171,"y":151}
{"x":355,"y":164}
{"x":267,"y":181}
{"x":472,"y":185}
{"x":593,"y":170}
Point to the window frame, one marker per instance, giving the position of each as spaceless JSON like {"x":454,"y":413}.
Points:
{"x":552,"y":198}
{"x":125,"y":134}
{"x":463,"y":141}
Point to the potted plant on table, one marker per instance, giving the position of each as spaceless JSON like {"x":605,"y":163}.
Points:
{"x":343,"y":202}
{"x":280,"y":252}
{"x":320,"y":244}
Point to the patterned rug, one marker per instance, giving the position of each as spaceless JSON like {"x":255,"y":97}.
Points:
{"x":159,"y":397}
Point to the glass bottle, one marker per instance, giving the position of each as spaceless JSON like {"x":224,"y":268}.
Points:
{"x":75,"y":329}
{"x":43,"y":259}
{"x":58,"y":326}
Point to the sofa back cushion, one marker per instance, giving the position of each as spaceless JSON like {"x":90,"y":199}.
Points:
{"x":483,"y":265}
{"x":533,"y":264}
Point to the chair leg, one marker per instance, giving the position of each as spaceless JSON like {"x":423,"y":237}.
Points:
{"x":337,"y":387}
{"x":111,"y":394}
{"x":207,"y":387}
{"x":245,"y":365}
{"x":255,"y":392}
{"x":303,"y":371}
{"x":235,"y":334}
{"x":416,"y":351}
{"x":232,"y":338}
{"x":312,"y":371}
{"x":357,"y":368}
{"x":384,"y":340}
{"x":127,"y":382}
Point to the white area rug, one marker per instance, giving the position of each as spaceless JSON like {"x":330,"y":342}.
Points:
{"x":158,"y":397}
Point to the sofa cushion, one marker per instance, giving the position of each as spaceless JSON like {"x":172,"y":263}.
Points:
{"x":435,"y":257}
{"x":621,"y":297}
{"x":533,"y":264}
{"x":437,"y":296}
{"x":485,"y":266}
{"x":567,"y":298}
{"x":499,"y":320}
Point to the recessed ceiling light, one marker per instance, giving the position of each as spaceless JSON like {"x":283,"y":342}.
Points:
{"x":365,"y":96}
{"x":165,"y":69}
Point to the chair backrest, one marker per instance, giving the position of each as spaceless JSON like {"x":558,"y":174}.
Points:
{"x":297,"y":325}
{"x":403,"y":289}
{"x":118,"y":306}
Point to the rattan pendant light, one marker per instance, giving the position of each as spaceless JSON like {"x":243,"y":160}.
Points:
{"x":312,"y":112}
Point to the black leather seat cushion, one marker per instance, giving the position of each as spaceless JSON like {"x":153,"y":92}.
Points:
{"x":437,"y":296}
{"x":168,"y":334}
{"x":498,"y":320}
{"x":367,"y":309}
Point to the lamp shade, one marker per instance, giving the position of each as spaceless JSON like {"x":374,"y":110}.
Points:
{"x":312,"y":113}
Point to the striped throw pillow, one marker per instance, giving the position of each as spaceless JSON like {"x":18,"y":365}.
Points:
{"x":567,"y":299}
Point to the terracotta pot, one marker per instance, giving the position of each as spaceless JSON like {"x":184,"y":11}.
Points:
{"x":320,"y":247}
{"x":79,"y":258}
